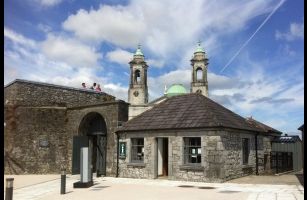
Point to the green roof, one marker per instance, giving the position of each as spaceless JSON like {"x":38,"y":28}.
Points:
{"x":138,"y":51}
{"x":199,"y":49}
{"x":176,"y":89}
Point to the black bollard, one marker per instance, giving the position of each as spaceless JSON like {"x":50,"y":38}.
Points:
{"x":63,"y":181}
{"x":9,"y":189}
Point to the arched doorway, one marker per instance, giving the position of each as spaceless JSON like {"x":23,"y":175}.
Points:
{"x":92,"y":133}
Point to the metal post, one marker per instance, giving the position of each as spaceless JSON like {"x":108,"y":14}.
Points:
{"x":117,"y":158}
{"x":63,"y":181}
{"x":9,"y":189}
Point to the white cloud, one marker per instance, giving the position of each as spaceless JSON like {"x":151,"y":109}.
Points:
{"x":155,"y":63}
{"x":123,"y":57}
{"x":117,"y":90}
{"x":164,"y":27}
{"x":70,"y":51}
{"x":296,"y":31}
{"x":48,"y":3}
{"x":120,"y":56}
{"x":17,"y":38}
{"x":44,"y":28}
{"x":24,"y":61}
{"x":114,"y":24}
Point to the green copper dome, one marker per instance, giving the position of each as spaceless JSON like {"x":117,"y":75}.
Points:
{"x":199,"y":48}
{"x":138,"y":51}
{"x":176,"y":89}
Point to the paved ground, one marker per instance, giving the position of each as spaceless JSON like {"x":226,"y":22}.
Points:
{"x":295,"y":178}
{"x":128,"y":189}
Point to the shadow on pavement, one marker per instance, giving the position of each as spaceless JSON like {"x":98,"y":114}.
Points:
{"x":300,"y":177}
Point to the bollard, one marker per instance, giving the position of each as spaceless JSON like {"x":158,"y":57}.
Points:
{"x":63,"y":181}
{"x":9,"y":189}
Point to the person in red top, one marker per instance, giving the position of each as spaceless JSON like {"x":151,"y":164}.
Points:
{"x":98,"y":89}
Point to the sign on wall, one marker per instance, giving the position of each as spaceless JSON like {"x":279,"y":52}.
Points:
{"x":122,"y":150}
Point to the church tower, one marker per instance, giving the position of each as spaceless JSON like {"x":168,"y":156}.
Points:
{"x":138,"y":90}
{"x":199,"y":64}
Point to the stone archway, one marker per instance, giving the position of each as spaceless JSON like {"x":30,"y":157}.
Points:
{"x":92,"y":132}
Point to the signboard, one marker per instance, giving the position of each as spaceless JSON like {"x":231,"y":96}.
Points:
{"x":122,"y":150}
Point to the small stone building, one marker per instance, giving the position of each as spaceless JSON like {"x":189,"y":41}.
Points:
{"x":192,"y":138}
{"x":45,"y":125}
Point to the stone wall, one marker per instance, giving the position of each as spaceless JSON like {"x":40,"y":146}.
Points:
{"x":40,"y":113}
{"x":35,"y":140}
{"x":25,"y":93}
{"x":136,"y":170}
{"x":221,"y":155}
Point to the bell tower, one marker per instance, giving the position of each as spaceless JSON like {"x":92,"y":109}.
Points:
{"x":138,"y":90}
{"x":199,"y":64}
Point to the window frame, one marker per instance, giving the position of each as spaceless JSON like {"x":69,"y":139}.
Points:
{"x":188,"y":156}
{"x":134,"y":150}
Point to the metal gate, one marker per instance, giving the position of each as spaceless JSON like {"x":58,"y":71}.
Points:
{"x":101,"y":155}
{"x":281,"y":161}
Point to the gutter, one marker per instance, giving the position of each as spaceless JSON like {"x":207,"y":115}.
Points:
{"x":256,"y":149}
{"x":117,"y":155}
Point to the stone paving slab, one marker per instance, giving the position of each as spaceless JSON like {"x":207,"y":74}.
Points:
{"x":285,"y":179}
{"x":26,"y":180}
{"x":119,"y":188}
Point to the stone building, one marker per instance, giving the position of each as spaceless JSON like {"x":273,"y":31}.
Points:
{"x":187,"y":136}
{"x":181,"y":135}
{"x":190,"y":137}
{"x":45,"y":126}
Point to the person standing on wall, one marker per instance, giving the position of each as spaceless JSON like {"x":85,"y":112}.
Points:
{"x":93,"y":87}
{"x":83,"y":86}
{"x":98,"y":89}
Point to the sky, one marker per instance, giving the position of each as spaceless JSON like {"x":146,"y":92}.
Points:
{"x":255,"y":49}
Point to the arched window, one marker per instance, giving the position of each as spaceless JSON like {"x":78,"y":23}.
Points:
{"x":199,"y":74}
{"x":137,"y":76}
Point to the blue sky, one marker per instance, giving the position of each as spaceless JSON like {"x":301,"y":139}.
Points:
{"x":68,"y":42}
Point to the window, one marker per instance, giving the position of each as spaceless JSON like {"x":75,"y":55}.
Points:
{"x":137,"y":150}
{"x":199,"y":74}
{"x":137,"y":75}
{"x":245,"y":150}
{"x":192,"y":150}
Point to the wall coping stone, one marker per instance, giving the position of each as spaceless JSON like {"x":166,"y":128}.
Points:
{"x":55,"y":86}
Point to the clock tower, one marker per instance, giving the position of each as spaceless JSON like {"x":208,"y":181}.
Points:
{"x":138,"y":90}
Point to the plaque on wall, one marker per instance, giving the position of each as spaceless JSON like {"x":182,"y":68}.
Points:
{"x":43,"y":143}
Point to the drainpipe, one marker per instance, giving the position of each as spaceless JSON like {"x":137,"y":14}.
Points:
{"x":256,"y":149}
{"x":117,"y":166}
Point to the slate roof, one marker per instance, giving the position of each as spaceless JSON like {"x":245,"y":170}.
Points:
{"x":187,"y":111}
{"x":262,"y":126}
